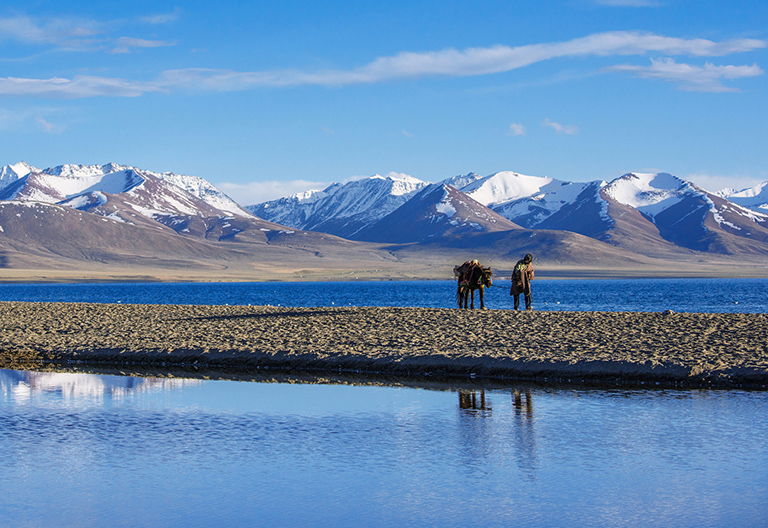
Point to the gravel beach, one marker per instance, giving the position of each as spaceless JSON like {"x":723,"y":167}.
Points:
{"x":689,"y":349}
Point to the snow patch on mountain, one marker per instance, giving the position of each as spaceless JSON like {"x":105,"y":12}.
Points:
{"x":445,"y":208}
{"x":86,"y":200}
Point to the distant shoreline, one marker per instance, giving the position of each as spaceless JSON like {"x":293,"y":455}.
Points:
{"x":681,"y":349}
{"x":13,"y":276}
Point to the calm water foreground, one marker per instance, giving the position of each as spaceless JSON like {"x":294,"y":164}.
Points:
{"x":90,"y":450}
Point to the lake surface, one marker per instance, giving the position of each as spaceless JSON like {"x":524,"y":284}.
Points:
{"x":648,"y":295}
{"x":91,"y":450}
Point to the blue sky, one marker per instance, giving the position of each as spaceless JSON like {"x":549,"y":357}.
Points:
{"x":271,"y":97}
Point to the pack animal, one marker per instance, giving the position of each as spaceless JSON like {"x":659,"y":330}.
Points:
{"x":475,"y":278}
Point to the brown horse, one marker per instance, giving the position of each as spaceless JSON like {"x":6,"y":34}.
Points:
{"x":479,"y":278}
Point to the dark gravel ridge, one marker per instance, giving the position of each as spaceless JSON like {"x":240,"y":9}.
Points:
{"x":691,"y":349}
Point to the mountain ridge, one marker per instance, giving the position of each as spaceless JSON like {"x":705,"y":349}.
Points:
{"x":121,"y":215}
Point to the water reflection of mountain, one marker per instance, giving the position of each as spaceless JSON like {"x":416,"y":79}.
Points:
{"x":21,"y":385}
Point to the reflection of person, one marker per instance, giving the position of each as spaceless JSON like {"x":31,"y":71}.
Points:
{"x":521,"y":281}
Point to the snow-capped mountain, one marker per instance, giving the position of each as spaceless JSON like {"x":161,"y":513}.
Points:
{"x":655,"y":214}
{"x":755,"y":198}
{"x":526,"y":200}
{"x":687,"y":215}
{"x":186,"y":204}
{"x":658,"y":215}
{"x":341,"y":209}
{"x":462,"y":180}
{"x":25,"y":183}
{"x":436,"y":211}
{"x":10,"y":173}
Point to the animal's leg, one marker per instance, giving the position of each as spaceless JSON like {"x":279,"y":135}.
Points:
{"x":482,"y":301}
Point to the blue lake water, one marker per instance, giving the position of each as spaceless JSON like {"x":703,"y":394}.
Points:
{"x":680,"y":295}
{"x":85,"y":450}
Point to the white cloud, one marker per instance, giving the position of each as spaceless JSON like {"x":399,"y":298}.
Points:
{"x":66,"y":32}
{"x":264,"y":191}
{"x":707,"y":78}
{"x":49,"y":127}
{"x":561,"y":129}
{"x":407,"y":65}
{"x":516,"y":129}
{"x":162,"y":18}
{"x":78,"y":87}
{"x":30,"y":118}
{"x":76,"y":33}
{"x":124,"y":44}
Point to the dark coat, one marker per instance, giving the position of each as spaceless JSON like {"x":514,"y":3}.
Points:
{"x":524,"y":284}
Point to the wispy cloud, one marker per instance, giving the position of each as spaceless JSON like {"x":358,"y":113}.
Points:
{"x":74,"y":33}
{"x":48,"y":126}
{"x":404,"y":66}
{"x":571,"y":130}
{"x":162,"y":18}
{"x":76,"y":88}
{"x":125,"y":44}
{"x":38,"y":118}
{"x":64,"y":32}
{"x":516,"y":129}
{"x":707,"y":78}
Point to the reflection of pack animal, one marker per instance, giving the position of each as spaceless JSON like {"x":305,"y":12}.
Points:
{"x":472,"y":276}
{"x":468,"y":400}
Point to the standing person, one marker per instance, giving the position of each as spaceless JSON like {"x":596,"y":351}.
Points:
{"x":521,"y":281}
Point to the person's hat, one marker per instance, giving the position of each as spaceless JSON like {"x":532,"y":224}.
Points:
{"x":528,"y":258}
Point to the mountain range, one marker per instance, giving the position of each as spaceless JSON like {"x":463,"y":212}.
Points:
{"x":71,"y":216}
{"x":657,"y":215}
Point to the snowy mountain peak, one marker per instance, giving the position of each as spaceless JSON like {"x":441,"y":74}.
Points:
{"x":505,"y":186}
{"x":12,"y":173}
{"x":649,"y":193}
{"x":398,"y":176}
{"x":755,"y":198}
{"x":84,"y":171}
{"x":462,"y":181}
{"x":341,"y":209}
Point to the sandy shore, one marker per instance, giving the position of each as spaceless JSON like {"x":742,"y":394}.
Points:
{"x":677,"y":348}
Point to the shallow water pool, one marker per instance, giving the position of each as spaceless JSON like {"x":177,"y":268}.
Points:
{"x":93,"y":450}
